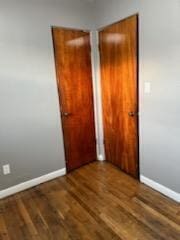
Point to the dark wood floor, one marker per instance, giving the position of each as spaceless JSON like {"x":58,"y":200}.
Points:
{"x":95,"y":202}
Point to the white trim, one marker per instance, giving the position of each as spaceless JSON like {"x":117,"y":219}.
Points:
{"x":31,"y":183}
{"x":101,"y":157}
{"x":160,"y":188}
{"x":93,"y":67}
{"x":96,"y":77}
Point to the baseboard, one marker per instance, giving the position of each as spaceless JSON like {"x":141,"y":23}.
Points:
{"x":160,"y":188}
{"x":101,"y":157}
{"x":31,"y":183}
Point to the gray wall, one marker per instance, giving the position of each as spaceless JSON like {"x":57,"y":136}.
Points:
{"x":30,"y":131}
{"x":159,"y":65}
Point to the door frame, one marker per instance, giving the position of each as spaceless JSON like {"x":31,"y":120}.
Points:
{"x":138,"y":88}
{"x":58,"y":90}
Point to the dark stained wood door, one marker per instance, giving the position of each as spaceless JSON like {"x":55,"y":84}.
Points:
{"x":74,"y":78}
{"x":119,"y":68}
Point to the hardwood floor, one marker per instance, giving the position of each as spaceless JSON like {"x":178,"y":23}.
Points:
{"x":95,"y":202}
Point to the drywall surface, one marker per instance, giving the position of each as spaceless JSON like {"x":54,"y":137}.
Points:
{"x":30,"y":129}
{"x":159,"y":49}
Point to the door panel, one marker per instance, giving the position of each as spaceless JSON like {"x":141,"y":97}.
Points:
{"x":118,"y":56}
{"x":74,"y":78}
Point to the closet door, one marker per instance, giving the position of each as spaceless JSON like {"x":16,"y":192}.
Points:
{"x":119,"y":71}
{"x":74,"y":80}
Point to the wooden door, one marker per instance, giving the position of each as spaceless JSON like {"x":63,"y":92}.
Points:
{"x":74,"y":79}
{"x":119,"y":68}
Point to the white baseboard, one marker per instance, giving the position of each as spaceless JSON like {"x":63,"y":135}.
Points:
{"x":31,"y":183}
{"x":160,"y":188}
{"x":101,"y":157}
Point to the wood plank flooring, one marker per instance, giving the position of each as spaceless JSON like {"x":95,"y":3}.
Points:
{"x":96,"y":202}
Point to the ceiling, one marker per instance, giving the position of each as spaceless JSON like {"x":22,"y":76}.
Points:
{"x":89,"y":0}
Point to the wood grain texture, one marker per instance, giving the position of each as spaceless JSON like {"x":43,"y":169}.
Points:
{"x":95,"y":202}
{"x":118,"y":57}
{"x":74,"y":77}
